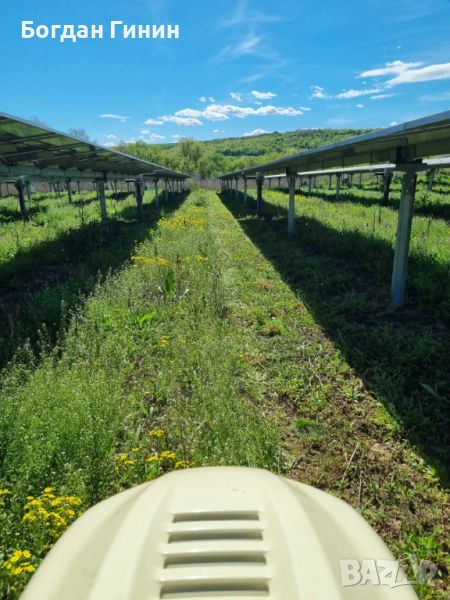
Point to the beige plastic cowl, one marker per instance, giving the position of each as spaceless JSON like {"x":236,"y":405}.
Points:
{"x":213,"y":533}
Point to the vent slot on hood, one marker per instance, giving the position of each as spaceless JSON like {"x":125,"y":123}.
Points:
{"x":222,"y":590}
{"x":195,"y":566}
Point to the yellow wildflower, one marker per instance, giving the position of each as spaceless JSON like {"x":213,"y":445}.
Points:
{"x":168,"y":455}
{"x":52,"y":512}
{"x":151,"y":261}
{"x":157,"y":433}
{"x":164,"y":341}
{"x":182,"y":464}
{"x":152,"y":459}
{"x":19,"y":562}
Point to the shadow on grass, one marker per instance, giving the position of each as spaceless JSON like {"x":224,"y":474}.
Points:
{"x":344,"y":280}
{"x":41,"y":285}
{"x":12,"y":215}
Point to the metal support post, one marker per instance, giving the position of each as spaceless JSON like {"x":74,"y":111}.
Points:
{"x":259,"y":189}
{"x":20,"y":185}
{"x":400,"y":268}
{"x":291,"y":210}
{"x":100,"y":184}
{"x":387,"y":178}
{"x":69,"y":191}
{"x":139,"y":195}
{"x":155,"y":181}
{"x":338,"y":186}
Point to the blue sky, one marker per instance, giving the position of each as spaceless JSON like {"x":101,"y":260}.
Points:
{"x":239,"y":67}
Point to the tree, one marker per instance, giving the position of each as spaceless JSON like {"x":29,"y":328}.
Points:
{"x":81,"y":134}
{"x":35,"y":120}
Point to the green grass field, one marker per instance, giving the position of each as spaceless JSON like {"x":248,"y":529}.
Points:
{"x":202,"y":336}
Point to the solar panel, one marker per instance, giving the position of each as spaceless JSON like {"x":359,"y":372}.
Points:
{"x":35,"y":151}
{"x":408,"y":142}
{"x":406,"y":147}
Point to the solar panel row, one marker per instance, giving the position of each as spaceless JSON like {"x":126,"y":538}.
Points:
{"x":32,"y":152}
{"x":406,"y":148}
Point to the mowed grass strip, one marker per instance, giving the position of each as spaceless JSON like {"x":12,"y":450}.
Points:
{"x":297,"y":307}
{"x":147,"y":378}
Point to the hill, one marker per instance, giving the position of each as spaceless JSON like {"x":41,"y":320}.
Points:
{"x":213,"y":157}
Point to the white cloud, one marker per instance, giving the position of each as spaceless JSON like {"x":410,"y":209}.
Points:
{"x":430,"y":73}
{"x":413,"y":72}
{"x":120,"y":118}
{"x":381,"y":96}
{"x":243,"y":17}
{"x":154,"y":137}
{"x":319,"y":92}
{"x":397,"y":73}
{"x":153,"y":122}
{"x":202,"y":99}
{"x":360,"y":106}
{"x":214,"y":113}
{"x":263,"y":95}
{"x":182,"y":121}
{"x":176,"y":136}
{"x":393,"y":123}
{"x":254,"y":132}
{"x":304,"y":108}
{"x":189,"y":112}
{"x":235,"y":96}
{"x":111,"y":136}
{"x":278,"y":110}
{"x":222,"y":112}
{"x":395,"y":67}
{"x":441,"y":97}
{"x":356,"y":93}
{"x":247,"y":46}
{"x":211,"y":99}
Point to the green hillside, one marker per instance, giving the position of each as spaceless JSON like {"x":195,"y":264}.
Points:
{"x":213,"y":157}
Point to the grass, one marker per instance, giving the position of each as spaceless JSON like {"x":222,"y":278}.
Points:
{"x":133,"y":387}
{"x":53,"y":259}
{"x":203,"y":337}
{"x":374,"y":383}
{"x":340,"y":264}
